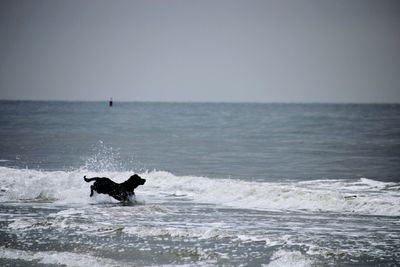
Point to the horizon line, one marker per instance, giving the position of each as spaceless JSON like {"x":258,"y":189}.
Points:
{"x":201,"y":102}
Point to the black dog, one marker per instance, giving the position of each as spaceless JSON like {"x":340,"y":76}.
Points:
{"x":122,"y":192}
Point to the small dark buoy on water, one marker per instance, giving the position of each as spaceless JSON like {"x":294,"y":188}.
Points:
{"x":110,"y":103}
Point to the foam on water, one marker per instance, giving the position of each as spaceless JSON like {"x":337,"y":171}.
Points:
{"x":56,"y":258}
{"x":205,"y":232}
{"x":289,"y":259}
{"x":195,"y":220}
{"x":362,"y":196}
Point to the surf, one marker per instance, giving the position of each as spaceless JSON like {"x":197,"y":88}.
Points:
{"x":360,"y":196}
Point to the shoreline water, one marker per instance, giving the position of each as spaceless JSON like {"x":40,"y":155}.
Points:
{"x":49,"y":218}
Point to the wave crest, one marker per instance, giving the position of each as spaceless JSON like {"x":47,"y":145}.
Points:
{"x":362,"y":196}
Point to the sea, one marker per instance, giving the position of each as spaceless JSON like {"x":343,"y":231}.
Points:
{"x":227,"y":184}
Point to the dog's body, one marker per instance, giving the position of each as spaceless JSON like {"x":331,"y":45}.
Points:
{"x":122,"y":192}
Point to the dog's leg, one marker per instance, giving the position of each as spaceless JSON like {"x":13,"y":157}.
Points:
{"x":91,"y":190}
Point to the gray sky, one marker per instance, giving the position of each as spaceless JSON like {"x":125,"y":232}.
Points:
{"x":160,"y":50}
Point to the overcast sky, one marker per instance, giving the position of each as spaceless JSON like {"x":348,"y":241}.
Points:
{"x":161,"y":50}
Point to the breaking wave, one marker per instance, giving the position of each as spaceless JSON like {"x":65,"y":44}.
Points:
{"x":361,"y":196}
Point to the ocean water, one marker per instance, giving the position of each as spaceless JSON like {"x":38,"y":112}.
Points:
{"x":227,"y":184}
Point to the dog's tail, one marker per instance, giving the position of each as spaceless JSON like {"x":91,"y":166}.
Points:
{"x":89,"y":179}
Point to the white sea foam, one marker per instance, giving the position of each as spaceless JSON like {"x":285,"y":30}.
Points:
{"x":363,"y":196}
{"x":56,"y":258}
{"x":289,"y":259}
{"x":49,"y":186}
{"x":205,"y":232}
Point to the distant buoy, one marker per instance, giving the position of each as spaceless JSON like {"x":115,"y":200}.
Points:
{"x":110,"y":103}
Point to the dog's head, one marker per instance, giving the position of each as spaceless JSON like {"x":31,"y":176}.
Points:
{"x":135,"y":180}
